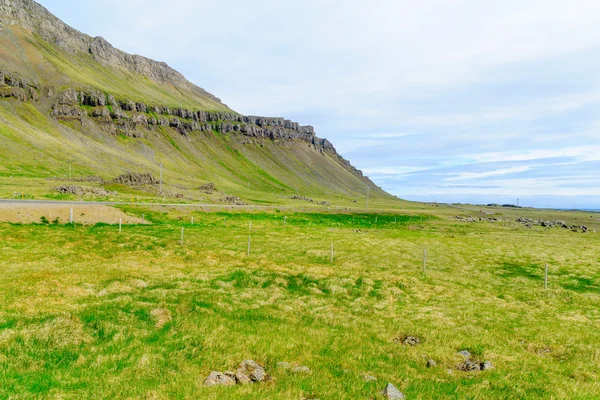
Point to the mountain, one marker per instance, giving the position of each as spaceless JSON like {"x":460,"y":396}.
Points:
{"x":67,"y":98}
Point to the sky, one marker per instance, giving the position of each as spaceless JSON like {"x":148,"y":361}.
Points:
{"x":478,"y":101}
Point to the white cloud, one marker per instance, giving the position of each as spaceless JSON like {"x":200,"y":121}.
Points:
{"x":478,"y":175}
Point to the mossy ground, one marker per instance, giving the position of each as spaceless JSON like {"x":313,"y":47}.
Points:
{"x":89,"y":313}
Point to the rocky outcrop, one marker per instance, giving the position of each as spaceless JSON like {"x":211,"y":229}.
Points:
{"x":15,"y":86}
{"x":32,"y":16}
{"x":131,"y":118}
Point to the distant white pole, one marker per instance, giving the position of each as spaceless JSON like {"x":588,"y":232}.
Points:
{"x":248,"y":245}
{"x":425,"y":261}
{"x":285,"y":219}
{"x":182,"y":229}
{"x":143,"y":219}
{"x":546,"y":278}
{"x":71,"y":215}
{"x":192,"y":220}
{"x":120,"y":225}
{"x":161,"y":178}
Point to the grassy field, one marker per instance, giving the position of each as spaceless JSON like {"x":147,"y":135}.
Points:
{"x":89,"y":313}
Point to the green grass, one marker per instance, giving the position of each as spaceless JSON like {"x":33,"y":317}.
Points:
{"x":79,"y":314}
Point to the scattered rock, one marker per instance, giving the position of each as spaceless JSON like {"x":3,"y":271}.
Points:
{"x":391,"y":392}
{"x":469,"y":366}
{"x":208,"y":188}
{"x":219,"y":379}
{"x":231,"y":200}
{"x":136,"y":179}
{"x":309,"y":200}
{"x":248,"y":372}
{"x":409,"y":340}
{"x":431,"y":363}
{"x":82,"y":191}
{"x":284,"y":365}
{"x":252,"y":370}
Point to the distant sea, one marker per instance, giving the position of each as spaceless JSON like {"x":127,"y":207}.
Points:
{"x":594,"y":210}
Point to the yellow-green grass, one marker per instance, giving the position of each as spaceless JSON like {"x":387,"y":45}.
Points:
{"x":89,"y":313}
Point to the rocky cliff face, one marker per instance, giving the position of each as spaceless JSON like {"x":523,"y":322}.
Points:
{"x":36,"y":18}
{"x":131,"y":118}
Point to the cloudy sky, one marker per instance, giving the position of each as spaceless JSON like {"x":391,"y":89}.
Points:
{"x":457,"y":100}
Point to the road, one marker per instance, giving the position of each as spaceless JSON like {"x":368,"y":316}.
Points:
{"x":40,"y":203}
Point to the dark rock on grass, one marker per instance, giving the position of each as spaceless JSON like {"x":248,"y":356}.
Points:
{"x":486,"y":365}
{"x":431,"y":364}
{"x":391,"y":392}
{"x":469,"y":366}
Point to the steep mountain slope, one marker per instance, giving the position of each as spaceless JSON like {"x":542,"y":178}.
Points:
{"x":67,"y":98}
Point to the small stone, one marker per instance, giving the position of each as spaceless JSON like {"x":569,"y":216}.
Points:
{"x":464,"y":353}
{"x":391,"y":392}
{"x":431,"y":363}
{"x":486,"y":365}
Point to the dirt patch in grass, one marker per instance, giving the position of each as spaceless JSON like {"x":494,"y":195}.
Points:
{"x":59,"y":213}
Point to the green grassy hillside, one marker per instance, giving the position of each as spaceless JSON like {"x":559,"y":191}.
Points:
{"x":35,"y":147}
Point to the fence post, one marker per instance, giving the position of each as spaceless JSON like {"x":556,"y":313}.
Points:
{"x":332,"y":253}
{"x":120,"y":225}
{"x":248,"y":245}
{"x":143,"y":219}
{"x":192,"y":220}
